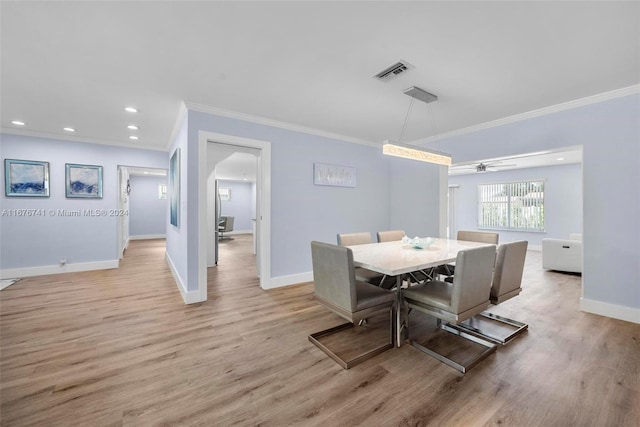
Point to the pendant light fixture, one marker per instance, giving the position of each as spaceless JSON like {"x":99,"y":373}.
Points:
{"x":397,"y":149}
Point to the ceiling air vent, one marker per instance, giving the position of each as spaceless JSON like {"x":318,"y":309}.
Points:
{"x":393,"y":71}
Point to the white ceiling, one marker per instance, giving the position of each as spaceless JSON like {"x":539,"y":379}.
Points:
{"x":238,"y":167}
{"x":569,"y":155}
{"x":310,"y":64}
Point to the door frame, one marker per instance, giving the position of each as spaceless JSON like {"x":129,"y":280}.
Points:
{"x":263,"y":208}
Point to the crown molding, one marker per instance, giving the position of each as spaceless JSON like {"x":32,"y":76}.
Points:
{"x":72,"y":138}
{"x":276,"y":123}
{"x":581,"y":102}
{"x":182,"y":113}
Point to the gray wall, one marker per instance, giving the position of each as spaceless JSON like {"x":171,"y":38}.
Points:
{"x":43,"y":240}
{"x":609,"y":132}
{"x":301,"y":211}
{"x":147,"y":213}
{"x":563,"y":200}
{"x":242,"y":204}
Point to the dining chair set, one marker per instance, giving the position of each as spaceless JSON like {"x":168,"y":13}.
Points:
{"x":457,"y":296}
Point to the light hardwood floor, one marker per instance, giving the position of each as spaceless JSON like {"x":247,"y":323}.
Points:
{"x":119,"y":347}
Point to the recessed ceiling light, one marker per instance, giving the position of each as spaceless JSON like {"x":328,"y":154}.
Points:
{"x":70,"y":129}
{"x":18,"y":122}
{"x":560,"y":159}
{"x":131,"y":109}
{"x":133,"y":127}
{"x":133,"y":137}
{"x":146,"y":173}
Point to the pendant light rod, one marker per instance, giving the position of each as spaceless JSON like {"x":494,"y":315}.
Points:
{"x":397,"y":149}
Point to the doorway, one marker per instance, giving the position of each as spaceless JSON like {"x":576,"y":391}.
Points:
{"x":207,"y":205}
{"x":235,"y":198}
{"x":145,"y":218}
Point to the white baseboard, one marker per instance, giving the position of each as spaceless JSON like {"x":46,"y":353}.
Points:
{"x":189,"y":297}
{"x":11,"y":273}
{"x":535,"y":248}
{"x":620,"y":312}
{"x":148,"y":236}
{"x":293,"y":279}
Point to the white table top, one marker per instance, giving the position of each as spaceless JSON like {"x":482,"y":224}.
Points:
{"x":395,"y":258}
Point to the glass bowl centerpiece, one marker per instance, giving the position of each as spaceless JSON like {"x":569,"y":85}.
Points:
{"x":417,"y":242}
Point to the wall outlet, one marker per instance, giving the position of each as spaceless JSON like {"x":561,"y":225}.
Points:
{"x":63,"y":261}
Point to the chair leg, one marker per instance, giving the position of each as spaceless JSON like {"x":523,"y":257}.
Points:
{"x":346,"y":364}
{"x":489,"y":348}
{"x":468,"y":327}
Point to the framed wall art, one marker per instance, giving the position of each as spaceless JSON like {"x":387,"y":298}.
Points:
{"x":335,"y":175}
{"x":26,"y":178}
{"x":174,"y":188}
{"x":83,"y":181}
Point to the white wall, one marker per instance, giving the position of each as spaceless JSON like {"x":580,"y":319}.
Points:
{"x":241,"y":206}
{"x":302,"y":211}
{"x":34,"y":245}
{"x":178,"y":250}
{"x":413,"y":199}
{"x":609,"y":132}
{"x":147,"y":213}
{"x":563,"y":200}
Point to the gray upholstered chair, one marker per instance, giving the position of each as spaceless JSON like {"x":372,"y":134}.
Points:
{"x":390,"y":236}
{"x":468,"y":236}
{"x":351,"y":239}
{"x":336,"y":288}
{"x":373,"y":277}
{"x":507,"y":279}
{"x":225,"y":225}
{"x":456,"y":302}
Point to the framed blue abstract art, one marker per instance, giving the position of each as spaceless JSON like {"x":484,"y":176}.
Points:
{"x":83,"y":181}
{"x":26,"y":178}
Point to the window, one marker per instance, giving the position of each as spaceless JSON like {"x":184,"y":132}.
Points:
{"x":517,"y":206}
{"x":225,"y":194}
{"x":162,"y":191}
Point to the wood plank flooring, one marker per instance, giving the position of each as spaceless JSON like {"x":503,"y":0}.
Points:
{"x":119,"y":347}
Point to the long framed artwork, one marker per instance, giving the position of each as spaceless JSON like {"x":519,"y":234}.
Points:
{"x":335,"y":175}
{"x":174,"y":188}
{"x":83,"y":181}
{"x":26,"y":178}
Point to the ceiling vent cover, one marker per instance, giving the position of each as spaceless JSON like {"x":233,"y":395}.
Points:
{"x":393,"y":71}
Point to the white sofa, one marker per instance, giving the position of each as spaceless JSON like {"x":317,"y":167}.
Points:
{"x":563,"y":254}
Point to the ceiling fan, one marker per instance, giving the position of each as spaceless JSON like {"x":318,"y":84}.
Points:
{"x":483,"y":167}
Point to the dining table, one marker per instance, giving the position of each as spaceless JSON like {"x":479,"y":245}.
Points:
{"x":400,"y":258}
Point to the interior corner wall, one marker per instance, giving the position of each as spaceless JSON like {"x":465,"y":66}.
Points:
{"x":609,"y":132}
{"x":562,"y":207}
{"x":414,"y":197}
{"x":33,"y":245}
{"x":301,"y":211}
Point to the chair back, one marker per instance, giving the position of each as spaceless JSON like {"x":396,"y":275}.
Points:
{"x":334,"y":275}
{"x":228,"y":224}
{"x":507,"y":275}
{"x":478,"y":236}
{"x":472,"y":281}
{"x":351,"y":239}
{"x":390,"y":236}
